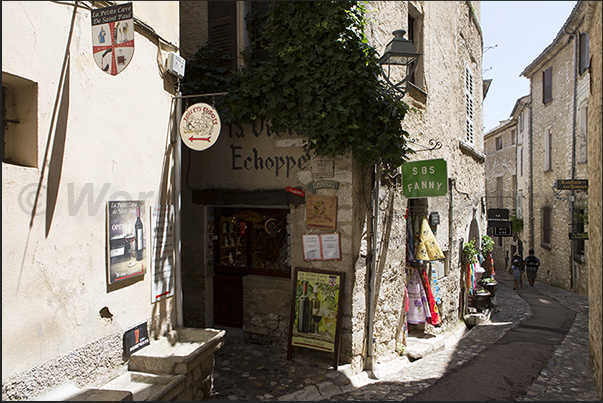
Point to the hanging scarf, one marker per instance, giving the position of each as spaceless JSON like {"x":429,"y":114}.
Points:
{"x":489,"y":264}
{"x":416,"y":307}
{"x":405,"y":324}
{"x":434,"y":318}
{"x":436,"y":289}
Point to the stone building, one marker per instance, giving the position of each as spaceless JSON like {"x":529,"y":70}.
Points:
{"x":559,"y":86}
{"x":500,"y":147}
{"x":80,"y":128}
{"x":247,"y":184}
{"x":595,"y":169}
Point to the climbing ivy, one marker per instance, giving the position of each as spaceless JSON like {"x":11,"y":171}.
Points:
{"x":319,"y":78}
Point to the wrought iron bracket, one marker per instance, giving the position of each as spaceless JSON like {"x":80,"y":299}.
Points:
{"x":433,"y":144}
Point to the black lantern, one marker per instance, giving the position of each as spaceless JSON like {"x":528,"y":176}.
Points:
{"x":399,"y":52}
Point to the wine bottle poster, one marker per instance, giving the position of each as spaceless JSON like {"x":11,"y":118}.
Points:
{"x":126,"y":250}
{"x":316,"y":310}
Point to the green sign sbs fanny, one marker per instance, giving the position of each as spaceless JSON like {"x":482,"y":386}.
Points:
{"x":427,"y":178}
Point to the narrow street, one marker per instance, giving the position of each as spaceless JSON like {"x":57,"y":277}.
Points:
{"x":534,"y":347}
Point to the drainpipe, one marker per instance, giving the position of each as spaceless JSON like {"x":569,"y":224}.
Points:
{"x":531,"y":179}
{"x":370,"y":359}
{"x":573,"y":162}
{"x":178,"y":208}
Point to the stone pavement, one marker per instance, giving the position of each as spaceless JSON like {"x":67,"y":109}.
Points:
{"x":250,"y":371}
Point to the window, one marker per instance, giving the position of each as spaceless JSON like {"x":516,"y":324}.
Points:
{"x":545,"y":228}
{"x":252,"y":241}
{"x":521,"y":161}
{"x":499,"y":143}
{"x":415,"y":35}
{"x":514,"y":192}
{"x":519,"y":204}
{"x":548,"y":150}
{"x":547,"y":85}
{"x":499,"y":192}
{"x":583,"y":134}
{"x":227,"y":30}
{"x":222,"y":29}
{"x":513,"y":136}
{"x":19,"y":121}
{"x":520,"y":121}
{"x":584,"y":52}
{"x":469,"y":105}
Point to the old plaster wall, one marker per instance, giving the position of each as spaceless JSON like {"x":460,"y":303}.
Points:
{"x":99,"y":138}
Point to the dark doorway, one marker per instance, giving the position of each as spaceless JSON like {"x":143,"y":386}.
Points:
{"x":248,"y":241}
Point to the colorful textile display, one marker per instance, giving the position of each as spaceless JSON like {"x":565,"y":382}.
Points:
{"x":489,"y":264}
{"x":436,"y":288}
{"x":434,"y":317}
{"x":417,"y":301}
{"x":471,"y":275}
{"x":427,"y":248}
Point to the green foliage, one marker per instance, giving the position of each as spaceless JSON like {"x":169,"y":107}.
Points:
{"x":470,"y":252}
{"x":487,"y":244}
{"x":320,"y":78}
{"x":516,"y":224}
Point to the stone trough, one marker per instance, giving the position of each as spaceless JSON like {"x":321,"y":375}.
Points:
{"x":184,"y":351}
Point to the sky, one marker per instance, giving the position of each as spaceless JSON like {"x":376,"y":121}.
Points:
{"x":515,"y":33}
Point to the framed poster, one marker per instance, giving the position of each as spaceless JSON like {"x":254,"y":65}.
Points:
{"x":321,"y":212}
{"x":162,"y":252}
{"x":315,"y":320}
{"x":126,"y":251}
{"x":321,"y":246}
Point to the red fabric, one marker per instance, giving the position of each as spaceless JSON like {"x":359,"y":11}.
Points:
{"x":433,"y":307}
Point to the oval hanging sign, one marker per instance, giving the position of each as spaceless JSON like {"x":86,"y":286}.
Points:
{"x":200,"y":126}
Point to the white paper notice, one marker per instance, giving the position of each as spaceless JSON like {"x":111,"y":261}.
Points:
{"x":330,"y":246}
{"x":162,"y":253}
{"x":311,"y":247}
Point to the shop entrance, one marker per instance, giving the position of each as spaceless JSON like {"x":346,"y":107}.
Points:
{"x":247,"y":241}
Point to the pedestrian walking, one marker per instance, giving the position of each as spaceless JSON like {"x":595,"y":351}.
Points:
{"x":516,"y":275}
{"x":532,"y":264}
{"x":517,"y":261}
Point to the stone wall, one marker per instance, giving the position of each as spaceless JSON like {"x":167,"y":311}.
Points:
{"x":595,"y":169}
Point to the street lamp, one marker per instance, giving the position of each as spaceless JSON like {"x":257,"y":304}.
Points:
{"x":399,"y":52}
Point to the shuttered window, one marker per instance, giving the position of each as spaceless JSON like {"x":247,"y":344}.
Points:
{"x":547,"y":85}
{"x":548,"y":150}
{"x":469,"y":105}
{"x":546,"y":226}
{"x":222,"y":29}
{"x":584,"y":53}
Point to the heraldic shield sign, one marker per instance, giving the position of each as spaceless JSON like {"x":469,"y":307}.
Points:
{"x":200,"y":126}
{"x":113,"y":37}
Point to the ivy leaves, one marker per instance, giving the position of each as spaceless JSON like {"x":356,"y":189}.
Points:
{"x":318,"y":77}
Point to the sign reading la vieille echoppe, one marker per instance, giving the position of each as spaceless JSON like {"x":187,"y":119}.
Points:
{"x":427,"y":178}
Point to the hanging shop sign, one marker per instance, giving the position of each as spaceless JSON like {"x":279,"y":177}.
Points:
{"x":571,"y":184}
{"x":200,"y":126}
{"x":126,"y":240}
{"x":498,"y":214}
{"x":577,"y":236}
{"x":500,"y":228}
{"x":316,"y":312}
{"x":427,"y":178}
{"x":113,"y":37}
